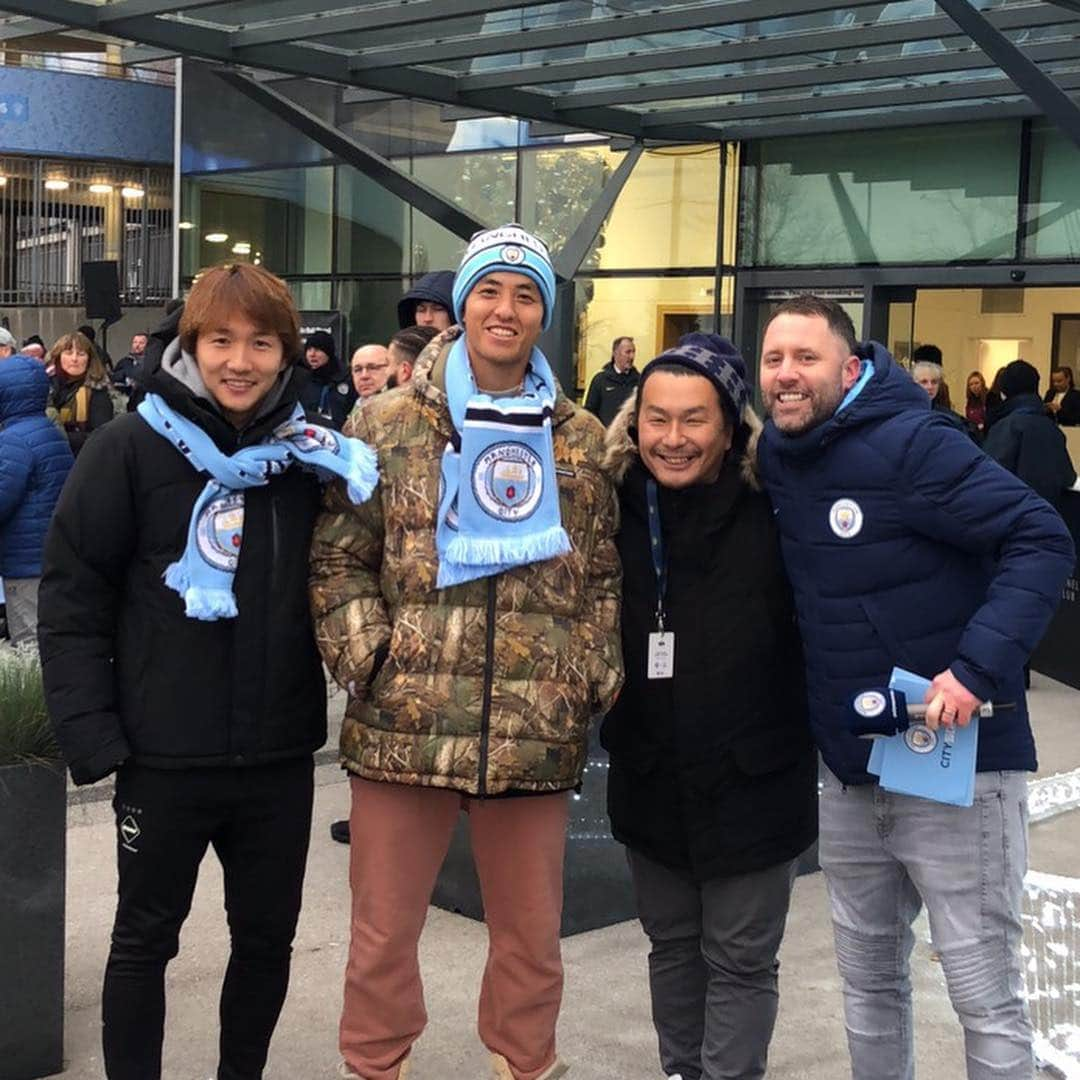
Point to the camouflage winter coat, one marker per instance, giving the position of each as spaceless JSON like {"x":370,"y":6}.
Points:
{"x":484,"y":687}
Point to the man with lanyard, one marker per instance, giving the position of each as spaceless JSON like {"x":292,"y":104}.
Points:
{"x":713,"y":777}
{"x":472,"y":615}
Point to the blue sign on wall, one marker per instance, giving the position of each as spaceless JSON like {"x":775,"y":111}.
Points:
{"x":14,"y":108}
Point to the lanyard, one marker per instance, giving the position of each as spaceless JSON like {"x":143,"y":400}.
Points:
{"x":656,"y":546}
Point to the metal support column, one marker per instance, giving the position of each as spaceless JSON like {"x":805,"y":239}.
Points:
{"x":577,"y":247}
{"x":385,"y":173}
{"x":1040,"y":88}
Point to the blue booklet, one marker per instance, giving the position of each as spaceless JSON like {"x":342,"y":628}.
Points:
{"x":937,"y":765}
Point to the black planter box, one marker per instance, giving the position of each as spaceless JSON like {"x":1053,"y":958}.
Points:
{"x":33,"y":818}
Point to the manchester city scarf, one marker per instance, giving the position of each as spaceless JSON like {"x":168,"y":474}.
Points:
{"x":203,"y":575}
{"x":499,"y":504}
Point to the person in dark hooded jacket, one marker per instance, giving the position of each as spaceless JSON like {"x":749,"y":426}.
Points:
{"x":327,"y":394}
{"x":907,"y":546}
{"x":34,"y":462}
{"x":430,"y":302}
{"x":1025,"y":440}
{"x":178,"y":651}
{"x":713,"y":776}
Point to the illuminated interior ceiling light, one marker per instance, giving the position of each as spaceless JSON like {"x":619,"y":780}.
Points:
{"x":241,"y":248}
{"x":216,"y":237}
{"x":185,"y":225}
{"x":132,"y":192}
{"x":3,"y":181}
{"x":100,"y":189}
{"x":57,"y":185}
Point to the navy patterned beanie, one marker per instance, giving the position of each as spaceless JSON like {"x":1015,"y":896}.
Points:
{"x":714,"y":357}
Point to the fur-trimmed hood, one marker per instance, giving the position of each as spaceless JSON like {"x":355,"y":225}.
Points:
{"x":620,"y":451}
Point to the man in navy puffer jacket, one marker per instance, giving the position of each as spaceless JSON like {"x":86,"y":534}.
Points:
{"x":35,"y":459}
{"x":907,"y":546}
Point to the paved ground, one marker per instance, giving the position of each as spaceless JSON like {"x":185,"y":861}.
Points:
{"x":605,"y":1029}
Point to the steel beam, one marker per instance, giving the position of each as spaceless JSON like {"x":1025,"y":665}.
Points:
{"x":1068,"y":5}
{"x":578,"y":245}
{"x":1042,"y":90}
{"x":894,"y":97}
{"x":385,"y":173}
{"x":381,"y":16}
{"x":818,"y":75}
{"x":700,"y":16}
{"x":794,"y":46}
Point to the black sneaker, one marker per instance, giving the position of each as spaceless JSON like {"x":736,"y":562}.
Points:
{"x":339,"y":831}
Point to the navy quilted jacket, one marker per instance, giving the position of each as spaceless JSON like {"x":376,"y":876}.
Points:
{"x":35,"y":459}
{"x":906,"y":545}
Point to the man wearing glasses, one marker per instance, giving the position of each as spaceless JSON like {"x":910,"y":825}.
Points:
{"x":370,"y":369}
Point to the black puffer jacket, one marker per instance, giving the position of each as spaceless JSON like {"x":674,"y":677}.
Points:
{"x":126,"y":672}
{"x":327,"y":393}
{"x":713,"y":773}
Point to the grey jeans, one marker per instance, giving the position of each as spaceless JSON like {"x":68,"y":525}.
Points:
{"x":21,"y":595}
{"x":884,"y":856}
{"x":713,"y":966}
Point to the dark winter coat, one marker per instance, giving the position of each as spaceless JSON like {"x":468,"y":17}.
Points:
{"x":906,"y":545}
{"x":713,"y":772}
{"x":126,"y":672}
{"x":1069,"y":413}
{"x":436,"y":287}
{"x":1031,"y":446}
{"x":608,"y":390}
{"x":327,"y":393}
{"x":62,"y":397}
{"x":161,"y":337}
{"x":34,"y":462}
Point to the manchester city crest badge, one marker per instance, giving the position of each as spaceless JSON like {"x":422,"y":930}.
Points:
{"x":220,"y":530}
{"x":920,"y":739}
{"x":507,"y":481}
{"x":870,"y":703}
{"x":513,"y":255}
{"x":846,"y":518}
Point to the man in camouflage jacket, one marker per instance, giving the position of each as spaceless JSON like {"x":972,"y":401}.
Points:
{"x":476,"y":696}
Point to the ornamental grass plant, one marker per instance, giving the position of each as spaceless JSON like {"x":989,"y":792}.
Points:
{"x":26,"y":735}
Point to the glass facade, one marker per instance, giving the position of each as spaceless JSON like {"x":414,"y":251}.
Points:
{"x":1053,"y":224}
{"x":915,"y":195}
{"x":666,"y":259}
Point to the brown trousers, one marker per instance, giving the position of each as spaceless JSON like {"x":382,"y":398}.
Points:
{"x":400,"y":836}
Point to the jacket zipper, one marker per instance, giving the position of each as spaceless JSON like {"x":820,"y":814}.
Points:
{"x":489,"y":678}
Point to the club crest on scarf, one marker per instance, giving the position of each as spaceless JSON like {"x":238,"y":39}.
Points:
{"x":508,"y":481}
{"x":219,"y":532}
{"x":203,"y":575}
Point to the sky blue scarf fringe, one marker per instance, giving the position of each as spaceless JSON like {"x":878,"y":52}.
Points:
{"x":204,"y":574}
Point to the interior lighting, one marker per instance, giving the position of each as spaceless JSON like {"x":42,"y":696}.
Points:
{"x":216,"y":237}
{"x":3,"y":181}
{"x":185,"y":225}
{"x":101,"y":189}
{"x":132,"y":192}
{"x":57,"y":185}
{"x":241,"y":248}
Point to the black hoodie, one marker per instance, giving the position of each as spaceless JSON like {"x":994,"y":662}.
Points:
{"x":436,"y":287}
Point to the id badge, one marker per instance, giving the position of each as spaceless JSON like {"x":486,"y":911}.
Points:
{"x":661,"y":663}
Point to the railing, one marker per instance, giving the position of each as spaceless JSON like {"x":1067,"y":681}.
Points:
{"x":80,"y":64}
{"x":56,"y":215}
{"x":1051,"y":919}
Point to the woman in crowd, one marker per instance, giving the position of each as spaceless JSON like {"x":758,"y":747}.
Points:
{"x":80,"y":388}
{"x":178,"y":652}
{"x":713,"y":777}
{"x":980,"y":400}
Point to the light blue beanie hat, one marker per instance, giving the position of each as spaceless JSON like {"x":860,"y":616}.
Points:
{"x":512,"y":248}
